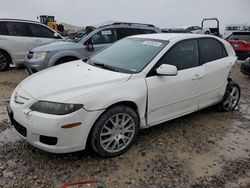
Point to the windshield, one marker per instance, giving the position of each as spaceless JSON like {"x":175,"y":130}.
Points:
{"x":129,"y":55}
{"x":76,"y":37}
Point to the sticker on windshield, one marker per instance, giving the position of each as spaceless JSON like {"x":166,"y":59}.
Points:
{"x":107,"y":32}
{"x":152,"y":43}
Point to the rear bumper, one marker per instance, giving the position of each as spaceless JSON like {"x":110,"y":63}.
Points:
{"x":245,"y":68}
{"x":242,"y":55}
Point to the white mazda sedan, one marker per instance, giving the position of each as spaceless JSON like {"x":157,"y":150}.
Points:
{"x":136,"y":83}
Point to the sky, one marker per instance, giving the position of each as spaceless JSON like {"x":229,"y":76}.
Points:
{"x":162,"y":13}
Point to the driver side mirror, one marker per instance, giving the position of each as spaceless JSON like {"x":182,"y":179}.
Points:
{"x":57,"y":36}
{"x":167,"y":70}
{"x":89,"y":45}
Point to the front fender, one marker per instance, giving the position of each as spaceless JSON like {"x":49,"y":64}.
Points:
{"x":133,"y":90}
{"x":61,"y":54}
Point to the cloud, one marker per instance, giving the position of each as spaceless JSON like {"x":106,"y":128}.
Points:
{"x":163,"y":13}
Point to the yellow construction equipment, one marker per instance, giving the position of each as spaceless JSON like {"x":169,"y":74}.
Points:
{"x":50,"y":22}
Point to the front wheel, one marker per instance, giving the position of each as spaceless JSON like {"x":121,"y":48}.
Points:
{"x":231,"y":97}
{"x":115,"y":131}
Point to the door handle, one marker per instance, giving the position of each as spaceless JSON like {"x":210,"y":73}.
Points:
{"x":197,"y":77}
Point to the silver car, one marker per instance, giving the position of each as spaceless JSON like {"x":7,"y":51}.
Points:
{"x":17,"y":37}
{"x":83,"y":46}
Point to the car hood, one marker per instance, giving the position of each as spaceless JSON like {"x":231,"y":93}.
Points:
{"x":64,"y":82}
{"x":59,"y":45}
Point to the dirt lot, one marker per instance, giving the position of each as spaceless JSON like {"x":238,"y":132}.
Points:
{"x":204,"y":149}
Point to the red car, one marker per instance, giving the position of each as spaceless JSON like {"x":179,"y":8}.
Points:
{"x":241,"y":44}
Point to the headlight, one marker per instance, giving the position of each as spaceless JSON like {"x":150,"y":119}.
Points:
{"x":39,"y":55}
{"x":55,"y":108}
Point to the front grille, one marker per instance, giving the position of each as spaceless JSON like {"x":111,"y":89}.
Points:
{"x":21,"y":129}
{"x":48,"y":140}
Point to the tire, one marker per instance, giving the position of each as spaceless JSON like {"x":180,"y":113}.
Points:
{"x":207,"y":33}
{"x":231,"y":97}
{"x":115,"y":131}
{"x":4,"y":61}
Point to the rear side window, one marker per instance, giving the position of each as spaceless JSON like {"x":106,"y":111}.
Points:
{"x":183,"y":55}
{"x":211,"y":50}
{"x":3,"y":29}
{"x":125,"y":32}
{"x":146,"y":31}
{"x":17,"y":29}
{"x":104,"y":37}
{"x":40,"y":31}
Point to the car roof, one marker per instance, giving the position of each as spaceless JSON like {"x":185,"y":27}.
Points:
{"x":171,"y":36}
{"x":19,"y":20}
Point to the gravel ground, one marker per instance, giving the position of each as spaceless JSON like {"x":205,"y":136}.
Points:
{"x":204,"y":149}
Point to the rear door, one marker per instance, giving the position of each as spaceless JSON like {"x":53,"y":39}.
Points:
{"x":100,"y":40}
{"x":216,"y":66}
{"x":16,"y":39}
{"x":41,"y":35}
{"x":173,"y":96}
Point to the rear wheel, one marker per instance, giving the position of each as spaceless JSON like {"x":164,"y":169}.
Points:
{"x":115,"y":131}
{"x":231,"y":97}
{"x":4,"y":61}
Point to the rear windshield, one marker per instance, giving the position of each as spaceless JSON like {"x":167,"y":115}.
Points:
{"x":240,"y":36}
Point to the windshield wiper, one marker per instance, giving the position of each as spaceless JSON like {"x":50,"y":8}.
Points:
{"x":108,"y":67}
{"x":86,"y":59}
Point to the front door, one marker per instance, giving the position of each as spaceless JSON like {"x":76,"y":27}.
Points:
{"x":173,"y":96}
{"x":100,"y":40}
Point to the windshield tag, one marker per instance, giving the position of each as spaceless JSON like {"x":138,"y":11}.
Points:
{"x":106,"y":32}
{"x":152,"y":43}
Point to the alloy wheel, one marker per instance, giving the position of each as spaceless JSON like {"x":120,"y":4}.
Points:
{"x":232,"y":98}
{"x":117,"y":133}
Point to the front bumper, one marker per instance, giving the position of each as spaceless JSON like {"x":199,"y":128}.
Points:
{"x":33,"y":65}
{"x":45,"y":131}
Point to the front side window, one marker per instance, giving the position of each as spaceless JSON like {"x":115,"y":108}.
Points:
{"x":211,"y":50}
{"x":17,"y":29}
{"x":40,"y":31}
{"x":104,"y":37}
{"x":129,"y":55}
{"x":183,"y":55}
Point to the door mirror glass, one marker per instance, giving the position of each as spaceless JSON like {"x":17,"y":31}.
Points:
{"x":89,"y":45}
{"x":167,"y":70}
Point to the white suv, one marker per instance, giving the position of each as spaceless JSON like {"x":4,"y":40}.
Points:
{"x":17,"y":37}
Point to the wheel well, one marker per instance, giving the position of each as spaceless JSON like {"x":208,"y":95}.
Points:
{"x":72,"y":58}
{"x":7,"y":55}
{"x":126,"y":103}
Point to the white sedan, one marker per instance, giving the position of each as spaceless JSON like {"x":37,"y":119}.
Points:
{"x":136,"y":83}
